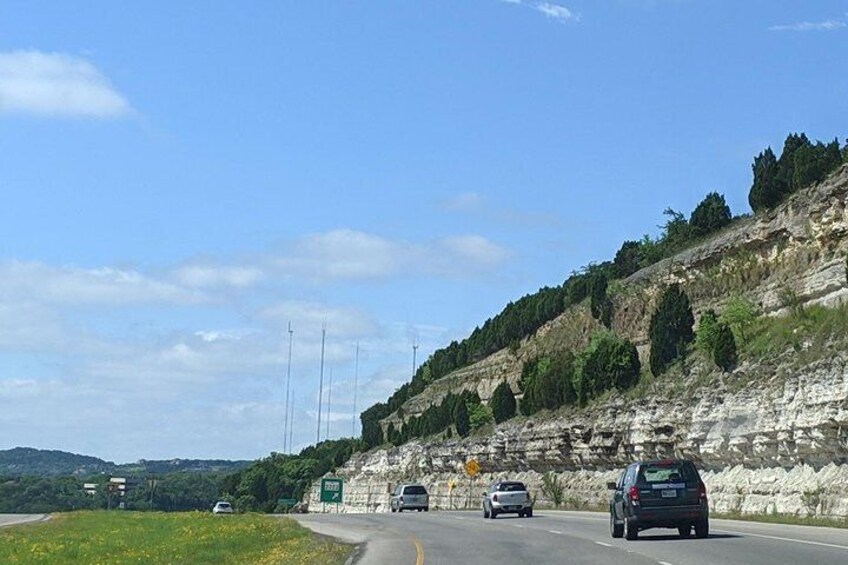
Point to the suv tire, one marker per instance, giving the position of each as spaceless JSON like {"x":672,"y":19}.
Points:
{"x":702,"y":528}
{"x":630,"y":531}
{"x":616,"y":530}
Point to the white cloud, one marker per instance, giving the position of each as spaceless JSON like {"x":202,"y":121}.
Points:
{"x":551,"y":10}
{"x":827,"y":25}
{"x":555,"y":11}
{"x":216,"y":276}
{"x":73,"y":285}
{"x":465,"y":202}
{"x":348,"y":254}
{"x":474,"y":251}
{"x":341,"y":322}
{"x":55,"y":84}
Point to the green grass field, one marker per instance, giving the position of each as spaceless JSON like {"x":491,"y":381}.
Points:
{"x":108,"y":538}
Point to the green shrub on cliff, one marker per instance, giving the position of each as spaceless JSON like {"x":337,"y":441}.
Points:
{"x":502,"y":403}
{"x":670,"y":329}
{"x":724,"y":353}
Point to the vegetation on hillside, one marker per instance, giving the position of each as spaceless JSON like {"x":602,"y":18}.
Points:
{"x":171,"y":492}
{"x":801,"y":163}
{"x":259,"y":486}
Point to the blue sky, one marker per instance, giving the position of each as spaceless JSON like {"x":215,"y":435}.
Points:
{"x":181,"y":180}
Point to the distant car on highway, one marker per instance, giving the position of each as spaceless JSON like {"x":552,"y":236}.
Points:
{"x":222,"y":507}
{"x":507,"y":497}
{"x":410,"y":497}
{"x":659,"y":494}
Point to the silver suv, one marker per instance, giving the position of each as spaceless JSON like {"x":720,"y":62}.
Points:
{"x":410,"y":497}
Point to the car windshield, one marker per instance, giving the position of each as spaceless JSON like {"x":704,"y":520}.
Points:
{"x":416,"y":489}
{"x":671,"y":472}
{"x":511,"y":487}
{"x":223,"y":505}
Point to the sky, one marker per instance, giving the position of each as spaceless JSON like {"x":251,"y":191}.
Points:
{"x":183,"y":180}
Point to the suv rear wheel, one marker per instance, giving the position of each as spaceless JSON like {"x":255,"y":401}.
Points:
{"x":616,"y":530}
{"x":702,"y":528}
{"x":630,"y":531}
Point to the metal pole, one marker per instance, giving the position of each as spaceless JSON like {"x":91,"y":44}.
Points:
{"x":321,"y":384}
{"x":329,"y":402}
{"x":414,"y":352}
{"x":355,"y":379}
{"x":291,"y":421}
{"x":288,"y":382}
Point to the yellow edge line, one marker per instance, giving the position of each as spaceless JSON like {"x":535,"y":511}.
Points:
{"x":419,"y":550}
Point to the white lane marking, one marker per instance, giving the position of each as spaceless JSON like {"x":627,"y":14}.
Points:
{"x":792,"y":540}
{"x":555,"y":532}
{"x":663,"y":563}
{"x":517,"y":526}
{"x":603,"y":544}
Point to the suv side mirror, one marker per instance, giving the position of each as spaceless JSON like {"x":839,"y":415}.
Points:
{"x":484,"y":493}
{"x":611,"y":486}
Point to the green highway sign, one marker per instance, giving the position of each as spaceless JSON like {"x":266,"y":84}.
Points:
{"x":332,"y":490}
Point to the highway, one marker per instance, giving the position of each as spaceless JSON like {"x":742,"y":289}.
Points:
{"x":448,"y":538}
{"x":12,"y":519}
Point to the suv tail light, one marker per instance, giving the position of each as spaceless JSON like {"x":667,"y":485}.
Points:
{"x":633,"y":494}
{"x":702,"y":491}
{"x":495,"y":497}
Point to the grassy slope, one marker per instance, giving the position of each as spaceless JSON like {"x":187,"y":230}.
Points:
{"x":109,"y":538}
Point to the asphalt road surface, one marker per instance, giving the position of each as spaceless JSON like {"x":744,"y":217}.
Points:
{"x":12,"y":519}
{"x":465,"y":538}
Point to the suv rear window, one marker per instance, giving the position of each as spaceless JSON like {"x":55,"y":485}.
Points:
{"x":415,"y":489}
{"x":511,"y":487}
{"x":674,"y":471}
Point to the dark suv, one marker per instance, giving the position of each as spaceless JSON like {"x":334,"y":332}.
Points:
{"x":659,"y":494}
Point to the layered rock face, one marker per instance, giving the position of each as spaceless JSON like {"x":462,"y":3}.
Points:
{"x":781,"y":448}
{"x":769,"y":437}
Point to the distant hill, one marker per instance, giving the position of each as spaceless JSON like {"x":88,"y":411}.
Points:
{"x":26,"y":461}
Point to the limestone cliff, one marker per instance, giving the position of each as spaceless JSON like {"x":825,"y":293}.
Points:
{"x":770,"y":437}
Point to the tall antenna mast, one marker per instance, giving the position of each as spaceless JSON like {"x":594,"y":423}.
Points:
{"x":329,"y":403}
{"x":288,"y":383}
{"x":414,"y":352}
{"x":321,"y":383}
{"x":355,"y":379}
{"x":291,"y":417}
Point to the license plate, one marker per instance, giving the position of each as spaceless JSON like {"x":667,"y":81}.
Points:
{"x":669,"y":494}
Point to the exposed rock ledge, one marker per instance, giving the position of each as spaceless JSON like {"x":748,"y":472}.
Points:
{"x":781,"y":446}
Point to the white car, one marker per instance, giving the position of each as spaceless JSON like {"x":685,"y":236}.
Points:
{"x":507,"y":497}
{"x":222,"y":507}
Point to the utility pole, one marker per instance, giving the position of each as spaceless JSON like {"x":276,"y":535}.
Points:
{"x":414,"y":352}
{"x":321,"y":383}
{"x":329,"y":403}
{"x":355,"y":379}
{"x":288,"y":383}
{"x":291,"y":422}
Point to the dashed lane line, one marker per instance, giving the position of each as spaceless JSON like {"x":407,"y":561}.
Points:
{"x":791,"y":540}
{"x":603,"y":544}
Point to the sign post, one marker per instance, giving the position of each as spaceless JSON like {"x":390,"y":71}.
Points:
{"x":332,"y":490}
{"x":472,"y":468}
